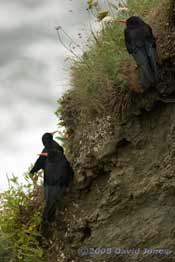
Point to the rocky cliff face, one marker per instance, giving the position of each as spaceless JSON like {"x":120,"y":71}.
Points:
{"x":124,"y":192}
{"x":132,"y":206}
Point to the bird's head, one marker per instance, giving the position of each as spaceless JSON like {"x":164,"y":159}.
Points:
{"x":134,"y":21}
{"x":131,"y":22}
{"x":47,"y":139}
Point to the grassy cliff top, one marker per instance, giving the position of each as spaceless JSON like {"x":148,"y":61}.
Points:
{"x":102,"y":77}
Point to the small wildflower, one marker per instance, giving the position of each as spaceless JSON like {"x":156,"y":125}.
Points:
{"x":102,"y":14}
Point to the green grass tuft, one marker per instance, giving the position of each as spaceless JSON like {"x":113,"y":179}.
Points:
{"x":19,"y":224}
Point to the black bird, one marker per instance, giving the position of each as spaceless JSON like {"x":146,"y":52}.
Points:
{"x":48,"y":143}
{"x":56,"y":179}
{"x":58,"y":174}
{"x":141,"y":44}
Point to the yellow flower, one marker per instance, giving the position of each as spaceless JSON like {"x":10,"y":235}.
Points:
{"x":31,"y":227}
{"x":102,"y":14}
{"x":123,"y":8}
{"x":92,"y":3}
{"x":108,"y":19}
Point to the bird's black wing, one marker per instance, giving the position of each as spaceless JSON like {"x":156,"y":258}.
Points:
{"x":152,"y":38}
{"x":67,"y":174}
{"x":128,"y":41}
{"x":39,"y":164}
{"x":58,"y":147}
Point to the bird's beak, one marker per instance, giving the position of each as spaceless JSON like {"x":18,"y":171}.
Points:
{"x":53,"y":133}
{"x":123,"y":21}
{"x":43,"y":154}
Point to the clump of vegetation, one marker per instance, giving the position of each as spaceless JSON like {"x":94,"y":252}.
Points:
{"x":20,"y":236}
{"x":141,"y":8}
